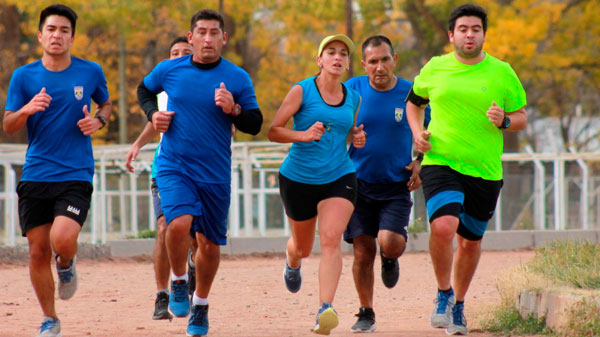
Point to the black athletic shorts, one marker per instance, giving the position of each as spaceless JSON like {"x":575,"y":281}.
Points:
{"x":300,"y":200}
{"x":472,"y":200}
{"x":41,"y":202}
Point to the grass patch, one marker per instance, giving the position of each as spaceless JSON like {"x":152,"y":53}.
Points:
{"x":584,"y":320}
{"x":509,"y":321}
{"x":147,"y":234}
{"x":571,"y":267}
{"x":576,"y":264}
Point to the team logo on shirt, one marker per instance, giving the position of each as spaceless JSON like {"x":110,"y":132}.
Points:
{"x":78,"y":90}
{"x":398,"y":114}
{"x":73,"y":210}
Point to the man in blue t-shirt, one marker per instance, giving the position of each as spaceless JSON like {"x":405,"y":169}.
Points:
{"x":386,"y":175}
{"x":207,"y":94}
{"x":52,"y":97}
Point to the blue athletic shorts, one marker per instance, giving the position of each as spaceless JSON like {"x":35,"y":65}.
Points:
{"x":208,"y":203}
{"x":380,"y":206}
{"x":472,"y":200}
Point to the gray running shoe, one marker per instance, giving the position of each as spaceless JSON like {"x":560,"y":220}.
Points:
{"x":459,"y":322}
{"x":191,"y":274}
{"x":390,"y":271}
{"x":67,"y":280}
{"x":292,"y":278}
{"x":365,"y":322}
{"x":161,"y":305}
{"x":50,"y":328}
{"x":441,"y":317}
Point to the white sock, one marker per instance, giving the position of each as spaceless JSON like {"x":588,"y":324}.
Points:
{"x":199,"y":300}
{"x":183,"y":277}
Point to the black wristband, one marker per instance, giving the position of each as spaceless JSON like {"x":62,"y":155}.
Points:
{"x":419,"y":157}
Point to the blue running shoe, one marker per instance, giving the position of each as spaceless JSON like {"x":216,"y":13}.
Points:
{"x":327,"y":319}
{"x":179,"y":302}
{"x":292,"y":278}
{"x":50,"y":328}
{"x":198,"y":324}
{"x":441,"y":316}
{"x":459,"y":322}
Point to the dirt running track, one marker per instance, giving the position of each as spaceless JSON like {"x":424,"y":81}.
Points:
{"x":116,"y":298}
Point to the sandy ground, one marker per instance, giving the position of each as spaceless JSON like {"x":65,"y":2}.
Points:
{"x":116,"y":298}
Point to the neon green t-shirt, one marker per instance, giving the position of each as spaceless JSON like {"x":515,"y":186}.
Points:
{"x":462,"y":137}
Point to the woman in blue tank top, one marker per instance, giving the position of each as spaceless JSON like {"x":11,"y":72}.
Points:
{"x":317,"y":180}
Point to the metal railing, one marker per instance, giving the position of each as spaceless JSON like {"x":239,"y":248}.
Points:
{"x":542,"y":191}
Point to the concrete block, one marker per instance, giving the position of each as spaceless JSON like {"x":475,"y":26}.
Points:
{"x":507,"y":240}
{"x":131,"y":247}
{"x":542,"y":238}
{"x":418,"y":242}
{"x":257,"y":245}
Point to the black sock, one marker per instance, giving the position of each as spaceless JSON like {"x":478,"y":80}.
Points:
{"x":449,"y":291}
{"x":460,"y":302}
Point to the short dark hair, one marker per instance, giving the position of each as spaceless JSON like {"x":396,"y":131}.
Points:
{"x":61,"y":10}
{"x":376,"y":40}
{"x":207,"y":14}
{"x":467,"y":10}
{"x":177,"y":40}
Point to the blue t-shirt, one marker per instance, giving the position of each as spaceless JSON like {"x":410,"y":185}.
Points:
{"x":58,"y":150}
{"x":389,"y":140}
{"x":198,"y":141}
{"x":326,"y":160}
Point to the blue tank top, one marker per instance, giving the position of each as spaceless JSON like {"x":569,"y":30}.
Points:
{"x":326,"y":160}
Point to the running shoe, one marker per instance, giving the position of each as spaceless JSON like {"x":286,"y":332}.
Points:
{"x":390,"y":271}
{"x":191,"y":274}
{"x":161,"y":305}
{"x":365,"y":322}
{"x":50,"y":328}
{"x":327,"y":319}
{"x":67,"y":280}
{"x":292,"y":278}
{"x":179,"y":301}
{"x":198,"y":323}
{"x":459,"y":322}
{"x":441,"y":317}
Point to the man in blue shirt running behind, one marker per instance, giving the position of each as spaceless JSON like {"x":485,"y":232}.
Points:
{"x":207,"y":94}
{"x":162,"y":269}
{"x":386,"y":174}
{"x":52,"y":97}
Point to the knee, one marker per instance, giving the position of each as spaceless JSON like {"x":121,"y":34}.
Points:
{"x":64,"y":245}
{"x":177,"y":227}
{"x":393,"y":249}
{"x":40,"y":254}
{"x":329,"y":240}
{"x":469,"y":246}
{"x":364,"y":258}
{"x":209,"y":250}
{"x":161,"y":230}
{"x":444,"y":227}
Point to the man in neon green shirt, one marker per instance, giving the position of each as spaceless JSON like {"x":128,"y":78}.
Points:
{"x":473,"y":97}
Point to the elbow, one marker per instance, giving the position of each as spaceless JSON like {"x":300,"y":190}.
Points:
{"x":271,"y":134}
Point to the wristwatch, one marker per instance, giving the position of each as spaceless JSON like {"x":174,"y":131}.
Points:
{"x":237,"y":110}
{"x":505,"y":123}
{"x":102,"y":120}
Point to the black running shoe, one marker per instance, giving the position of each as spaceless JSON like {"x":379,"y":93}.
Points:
{"x":365,"y":322}
{"x":390,"y":271}
{"x":160,"y":307}
{"x":191,"y":274}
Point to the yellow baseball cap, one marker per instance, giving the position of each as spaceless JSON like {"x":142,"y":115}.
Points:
{"x":338,"y":37}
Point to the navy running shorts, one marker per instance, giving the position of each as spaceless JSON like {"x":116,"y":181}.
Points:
{"x":156,"y":199}
{"x":41,"y":202}
{"x":300,"y":200}
{"x":380,"y":206}
{"x":472,"y":200}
